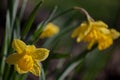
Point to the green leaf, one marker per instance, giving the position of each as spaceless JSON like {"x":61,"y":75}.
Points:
{"x":12,"y":7}
{"x":75,"y":62}
{"x":59,"y":56}
{"x":6,"y":42}
{"x":95,"y":62}
{"x":16,"y":31}
{"x":42,"y":25}
{"x":24,"y":2}
{"x":61,"y":14}
{"x":30,"y":20}
{"x":15,"y":6}
{"x":42,"y":77}
{"x":16,"y":26}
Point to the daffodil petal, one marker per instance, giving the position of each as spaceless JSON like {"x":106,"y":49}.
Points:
{"x":75,"y":33}
{"x":18,"y":45}
{"x":115,"y":34}
{"x":40,"y":54}
{"x":30,"y":49}
{"x":81,"y":31}
{"x":104,"y":42}
{"x":13,"y":58}
{"x":104,"y":30}
{"x":36,"y":70}
{"x":99,"y":24}
{"x":20,"y":71}
{"x":91,"y":44}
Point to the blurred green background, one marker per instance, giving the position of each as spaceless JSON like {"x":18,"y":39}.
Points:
{"x":106,"y":10}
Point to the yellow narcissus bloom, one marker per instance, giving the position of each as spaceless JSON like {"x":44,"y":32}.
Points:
{"x":95,"y":32}
{"x":50,"y":30}
{"x":27,"y":57}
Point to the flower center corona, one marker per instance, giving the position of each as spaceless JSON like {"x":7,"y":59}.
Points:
{"x":25,"y":63}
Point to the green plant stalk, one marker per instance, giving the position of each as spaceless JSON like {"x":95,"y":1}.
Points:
{"x":59,"y":36}
{"x":9,"y":73}
{"x":40,"y":27}
{"x":22,"y":9}
{"x":42,"y":74}
{"x":84,"y":12}
{"x":14,"y":11}
{"x":69,"y":69}
{"x":10,"y":19}
{"x":16,"y":31}
{"x":81,"y":56}
{"x":61,"y":14}
{"x":5,"y":76}
{"x":5,"y":44}
{"x":30,"y":20}
{"x":23,"y":77}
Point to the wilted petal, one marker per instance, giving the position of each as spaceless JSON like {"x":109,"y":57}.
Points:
{"x":36,"y":70}
{"x":40,"y":54}
{"x":18,"y":45}
{"x":13,"y":58}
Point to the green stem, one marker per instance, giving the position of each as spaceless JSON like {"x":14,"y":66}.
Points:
{"x":43,"y":74}
{"x":81,"y":56}
{"x":30,"y":20}
{"x":61,"y":14}
{"x":84,"y":12}
{"x":41,"y":26}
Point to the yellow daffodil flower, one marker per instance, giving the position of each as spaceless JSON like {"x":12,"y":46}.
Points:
{"x":95,"y":32}
{"x":50,"y":30}
{"x":27,"y":57}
